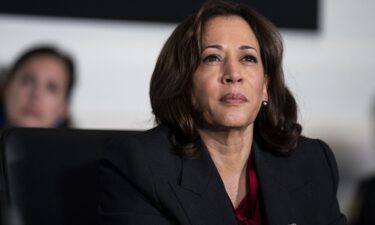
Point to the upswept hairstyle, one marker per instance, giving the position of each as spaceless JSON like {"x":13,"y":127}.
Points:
{"x":275,"y":127}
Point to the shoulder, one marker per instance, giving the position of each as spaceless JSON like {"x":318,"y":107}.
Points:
{"x":316,"y":158}
{"x":311,"y":161}
{"x":310,"y":145}
{"x":313,"y":150}
{"x":139,"y":152}
{"x":316,"y":150}
{"x":130,"y":170}
{"x":154,"y":139}
{"x":307,"y":174}
{"x":307,"y":150}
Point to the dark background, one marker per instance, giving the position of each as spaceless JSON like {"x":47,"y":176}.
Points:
{"x":294,"y":14}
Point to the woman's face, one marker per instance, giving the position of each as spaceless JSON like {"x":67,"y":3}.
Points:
{"x":229,"y":84}
{"x":36,"y":96}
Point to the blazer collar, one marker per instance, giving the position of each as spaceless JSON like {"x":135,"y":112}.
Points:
{"x":197,"y":172}
{"x":202,"y":193}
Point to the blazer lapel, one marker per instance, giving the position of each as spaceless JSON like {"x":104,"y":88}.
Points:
{"x":202,"y":193}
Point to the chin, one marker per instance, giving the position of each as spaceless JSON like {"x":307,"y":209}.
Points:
{"x":31,"y":123}
{"x":229,"y":120}
{"x":237,"y":120}
{"x":234,"y":123}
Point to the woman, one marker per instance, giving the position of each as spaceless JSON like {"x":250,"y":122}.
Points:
{"x":227,"y":147}
{"x":38,"y":88}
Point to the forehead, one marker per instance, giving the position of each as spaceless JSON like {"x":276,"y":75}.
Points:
{"x":44,"y":59}
{"x":46,"y":66}
{"x":228,"y":29}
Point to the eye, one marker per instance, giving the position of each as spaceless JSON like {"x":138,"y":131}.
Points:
{"x":52,"y":88}
{"x":27,"y":79}
{"x":212,"y":58}
{"x":249,"y":58}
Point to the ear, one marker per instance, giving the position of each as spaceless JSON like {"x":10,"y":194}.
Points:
{"x":265,"y":87}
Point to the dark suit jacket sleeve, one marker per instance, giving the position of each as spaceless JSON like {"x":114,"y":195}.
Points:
{"x":127,"y":196}
{"x":336,"y":217}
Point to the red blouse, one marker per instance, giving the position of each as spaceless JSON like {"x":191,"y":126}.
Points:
{"x":249,"y":211}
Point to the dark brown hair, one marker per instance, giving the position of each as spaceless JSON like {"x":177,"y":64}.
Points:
{"x":275,"y":127}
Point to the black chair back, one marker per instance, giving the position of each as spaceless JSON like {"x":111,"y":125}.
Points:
{"x":49,"y":176}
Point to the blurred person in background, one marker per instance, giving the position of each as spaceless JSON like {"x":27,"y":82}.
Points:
{"x":37,"y":88}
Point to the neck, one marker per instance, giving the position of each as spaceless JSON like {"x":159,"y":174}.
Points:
{"x":228,"y":149}
{"x":230,"y":152}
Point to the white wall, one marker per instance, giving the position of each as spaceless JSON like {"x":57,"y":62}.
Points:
{"x":115,"y":61}
{"x":332,"y":75}
{"x":330,"y":72}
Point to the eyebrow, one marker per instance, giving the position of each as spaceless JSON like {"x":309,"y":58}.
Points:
{"x":213,"y":46}
{"x":219,"y":47}
{"x":244,"y":47}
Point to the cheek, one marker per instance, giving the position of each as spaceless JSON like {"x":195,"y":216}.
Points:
{"x":54,"y":104}
{"x":204,"y":90}
{"x":51,"y":102}
{"x":54,"y":112}
{"x":258,"y":86}
{"x":15,"y":95}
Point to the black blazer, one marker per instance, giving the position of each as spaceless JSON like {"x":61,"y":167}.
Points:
{"x":144,"y":182}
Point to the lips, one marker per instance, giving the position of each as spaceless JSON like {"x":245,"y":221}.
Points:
{"x":31,"y":112}
{"x":233,"y":98}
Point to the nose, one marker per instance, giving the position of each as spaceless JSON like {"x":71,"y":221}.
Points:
{"x":231,"y":74}
{"x":36,"y":92}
